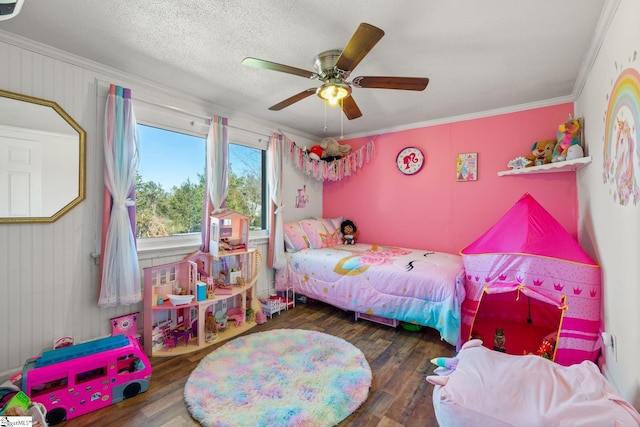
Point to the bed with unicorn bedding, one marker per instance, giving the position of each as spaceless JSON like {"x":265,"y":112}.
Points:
{"x":409,"y":285}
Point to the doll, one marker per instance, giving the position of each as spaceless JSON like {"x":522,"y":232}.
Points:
{"x":222,"y":276}
{"x":349,"y":232}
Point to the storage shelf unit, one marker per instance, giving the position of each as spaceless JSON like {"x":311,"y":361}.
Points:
{"x":184,"y":275}
{"x":566,"y":166}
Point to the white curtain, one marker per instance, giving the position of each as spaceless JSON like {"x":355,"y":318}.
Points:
{"x":120,"y":276}
{"x":276,"y":238}
{"x":217,"y":174}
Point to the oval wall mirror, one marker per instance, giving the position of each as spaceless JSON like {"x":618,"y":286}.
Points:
{"x":42,"y":160}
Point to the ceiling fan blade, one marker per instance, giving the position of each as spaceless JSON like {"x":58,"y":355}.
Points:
{"x":295,"y":98}
{"x":350,"y":108}
{"x":382,"y":82}
{"x":268,"y":65}
{"x":362,"y":41}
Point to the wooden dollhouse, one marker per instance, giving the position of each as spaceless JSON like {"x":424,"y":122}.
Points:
{"x":221,"y":283}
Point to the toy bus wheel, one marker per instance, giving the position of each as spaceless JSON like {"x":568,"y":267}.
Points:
{"x":56,"y":416}
{"x":131,"y":390}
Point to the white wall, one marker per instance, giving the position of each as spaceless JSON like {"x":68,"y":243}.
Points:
{"x":48,"y":272}
{"x":609,"y":231}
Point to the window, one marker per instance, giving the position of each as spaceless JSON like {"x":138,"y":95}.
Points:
{"x":170,"y":183}
{"x":247,"y":184}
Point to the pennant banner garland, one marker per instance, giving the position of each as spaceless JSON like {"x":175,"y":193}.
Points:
{"x":332,"y":170}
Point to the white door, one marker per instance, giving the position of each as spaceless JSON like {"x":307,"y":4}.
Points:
{"x":20,"y":177}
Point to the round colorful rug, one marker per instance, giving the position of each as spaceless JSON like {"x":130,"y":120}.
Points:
{"x":284,"y":377}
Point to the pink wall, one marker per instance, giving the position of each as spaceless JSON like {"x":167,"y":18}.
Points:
{"x":431,"y":210}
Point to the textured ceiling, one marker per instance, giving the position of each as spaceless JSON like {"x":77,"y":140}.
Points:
{"x":479,"y":55}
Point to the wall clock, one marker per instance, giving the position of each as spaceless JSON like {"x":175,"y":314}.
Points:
{"x":410,"y":160}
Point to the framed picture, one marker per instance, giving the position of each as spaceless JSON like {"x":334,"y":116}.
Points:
{"x":467,"y":167}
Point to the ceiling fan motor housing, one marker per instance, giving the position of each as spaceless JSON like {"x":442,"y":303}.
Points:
{"x":325,"y":65}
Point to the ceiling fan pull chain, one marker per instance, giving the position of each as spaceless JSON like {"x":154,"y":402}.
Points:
{"x":325,"y":117}
{"x":341,"y":121}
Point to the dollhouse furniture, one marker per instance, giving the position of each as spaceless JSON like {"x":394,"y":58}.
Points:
{"x":271,"y":306}
{"x":126,"y":325}
{"x":237,"y":314}
{"x":182,"y":333}
{"x":382,"y":282}
{"x":228,"y":233}
{"x":186,"y":277}
{"x":168,"y":339}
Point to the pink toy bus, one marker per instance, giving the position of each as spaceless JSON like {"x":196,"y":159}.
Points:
{"x":74,"y":380}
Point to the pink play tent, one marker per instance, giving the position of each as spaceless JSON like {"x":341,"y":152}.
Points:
{"x":530,"y":278}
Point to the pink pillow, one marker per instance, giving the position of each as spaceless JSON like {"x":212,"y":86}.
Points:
{"x":337,"y":222}
{"x":294,"y":237}
{"x":315,"y":231}
{"x":333,"y":237}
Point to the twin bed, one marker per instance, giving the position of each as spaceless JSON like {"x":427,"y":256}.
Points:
{"x":408,"y":285}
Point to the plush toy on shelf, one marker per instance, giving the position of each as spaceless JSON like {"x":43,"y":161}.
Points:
{"x":316,"y":152}
{"x":568,"y":135}
{"x":541,"y":152}
{"x":349,"y":232}
{"x":333,"y":150}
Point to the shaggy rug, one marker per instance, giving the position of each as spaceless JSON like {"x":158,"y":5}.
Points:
{"x":284,"y":377}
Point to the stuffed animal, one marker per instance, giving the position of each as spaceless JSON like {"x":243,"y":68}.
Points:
{"x":349,"y":232}
{"x":541,"y":152}
{"x":568,"y":135}
{"x":316,"y":152}
{"x":333,"y":150}
{"x":575,"y":152}
{"x":499,"y":340}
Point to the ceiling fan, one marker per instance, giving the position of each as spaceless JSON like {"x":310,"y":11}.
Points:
{"x":333,"y":68}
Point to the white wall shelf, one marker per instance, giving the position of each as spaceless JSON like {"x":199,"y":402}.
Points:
{"x":566,"y":166}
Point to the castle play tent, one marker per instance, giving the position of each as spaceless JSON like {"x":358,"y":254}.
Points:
{"x":529,"y":279}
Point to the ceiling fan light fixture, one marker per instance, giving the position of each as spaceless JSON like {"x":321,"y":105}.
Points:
{"x":9,"y":8}
{"x":333,"y":92}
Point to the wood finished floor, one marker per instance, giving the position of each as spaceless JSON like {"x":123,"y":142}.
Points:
{"x":399,"y":395}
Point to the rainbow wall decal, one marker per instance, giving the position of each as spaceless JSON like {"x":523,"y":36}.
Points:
{"x":621,"y":168}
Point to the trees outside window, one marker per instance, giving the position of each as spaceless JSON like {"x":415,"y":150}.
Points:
{"x":171,"y":179}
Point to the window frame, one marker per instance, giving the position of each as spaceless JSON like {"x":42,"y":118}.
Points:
{"x":179,"y":121}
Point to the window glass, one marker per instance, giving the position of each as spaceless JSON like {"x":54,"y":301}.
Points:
{"x":170,"y":183}
{"x":246,"y":184}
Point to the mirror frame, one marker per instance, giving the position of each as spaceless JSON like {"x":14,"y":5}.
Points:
{"x":82,"y":160}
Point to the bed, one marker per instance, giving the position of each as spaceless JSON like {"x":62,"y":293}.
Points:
{"x":409,"y":285}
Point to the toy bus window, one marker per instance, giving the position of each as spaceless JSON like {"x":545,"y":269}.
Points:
{"x":91,"y":374}
{"x":129,"y":363}
{"x":49,"y":386}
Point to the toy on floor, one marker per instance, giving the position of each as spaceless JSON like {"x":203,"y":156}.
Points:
{"x":75,"y":380}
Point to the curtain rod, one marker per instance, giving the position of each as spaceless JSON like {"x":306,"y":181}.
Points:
{"x":207,"y":119}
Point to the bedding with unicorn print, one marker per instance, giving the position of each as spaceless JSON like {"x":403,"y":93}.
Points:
{"x":410,"y":285}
